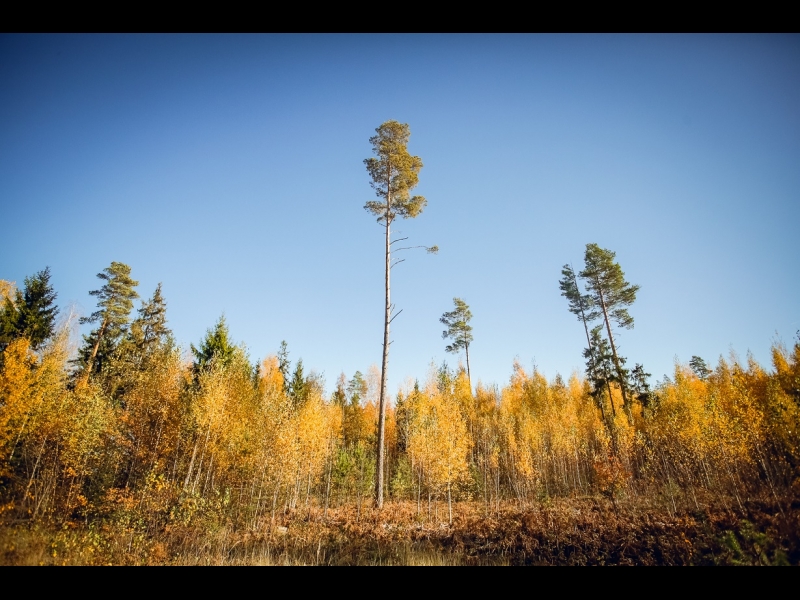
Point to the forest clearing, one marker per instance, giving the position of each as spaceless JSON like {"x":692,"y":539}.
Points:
{"x":126,"y":450}
{"x":368,"y":362}
{"x":155,"y":459}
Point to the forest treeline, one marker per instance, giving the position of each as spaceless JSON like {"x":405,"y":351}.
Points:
{"x":126,"y":429}
{"x":126,"y":440}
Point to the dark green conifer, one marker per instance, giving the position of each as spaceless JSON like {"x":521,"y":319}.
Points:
{"x":32,"y":312}
{"x":458,"y":329}
{"x":216,"y":346}
{"x":298,"y":389}
{"x":600,"y":369}
{"x":640,"y":386}
{"x":284,"y":365}
{"x":698,"y":365}
{"x":149,"y":330}
{"x":357,"y":389}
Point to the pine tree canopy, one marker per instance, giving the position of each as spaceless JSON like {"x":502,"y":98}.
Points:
{"x":458,"y":328}
{"x":607,"y":286}
{"x":115,"y":298}
{"x":115,"y":302}
{"x":394,"y":174}
{"x":700,"y":368}
{"x":580,"y":305}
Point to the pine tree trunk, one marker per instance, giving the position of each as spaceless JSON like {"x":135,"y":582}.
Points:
{"x":469,"y":377}
{"x":591,"y":354}
{"x":384,"y":365}
{"x":622,"y":386}
{"x":95,"y":349}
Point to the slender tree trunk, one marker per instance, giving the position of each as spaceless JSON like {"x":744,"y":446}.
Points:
{"x":622,"y":385}
{"x":384,"y":364}
{"x":328,"y":487}
{"x":469,"y":377}
{"x":95,"y":349}
{"x":35,"y":467}
{"x":191,"y":466}
{"x":591,"y":352}
{"x":449,"y":503}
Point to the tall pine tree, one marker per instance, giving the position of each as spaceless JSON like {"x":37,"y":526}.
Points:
{"x":612,"y":295}
{"x":394,"y":173}
{"x":115,"y":302}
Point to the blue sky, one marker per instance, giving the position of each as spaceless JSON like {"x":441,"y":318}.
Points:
{"x":230,"y":168}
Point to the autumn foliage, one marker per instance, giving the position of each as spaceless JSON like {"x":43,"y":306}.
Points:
{"x":154,"y":445}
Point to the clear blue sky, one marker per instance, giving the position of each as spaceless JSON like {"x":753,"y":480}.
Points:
{"x":230,"y":168}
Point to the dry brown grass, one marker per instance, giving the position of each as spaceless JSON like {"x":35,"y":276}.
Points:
{"x":577,"y":531}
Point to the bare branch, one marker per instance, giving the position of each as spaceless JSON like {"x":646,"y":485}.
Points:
{"x":428,"y":248}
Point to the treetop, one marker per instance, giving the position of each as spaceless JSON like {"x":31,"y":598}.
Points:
{"x":394,"y":173}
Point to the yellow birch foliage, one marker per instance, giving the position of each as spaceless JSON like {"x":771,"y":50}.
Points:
{"x":521,"y":440}
{"x":6,"y":290}
{"x":271,"y":379}
{"x":438,"y":443}
{"x":705,"y":432}
{"x":317,"y":423}
{"x":51,"y":439}
{"x":222,"y":409}
{"x":783,"y":402}
{"x":552,"y":436}
{"x":360,"y":423}
{"x":152,"y":415}
{"x":18,"y":400}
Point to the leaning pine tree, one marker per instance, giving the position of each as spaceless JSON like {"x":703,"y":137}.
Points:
{"x":458,"y":329}
{"x":609,"y":291}
{"x":582,"y":306}
{"x":115,"y":302}
{"x":394,"y":174}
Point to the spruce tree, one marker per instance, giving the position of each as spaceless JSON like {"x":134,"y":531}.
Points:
{"x":298,"y":389}
{"x":284,"y":365}
{"x":600,"y":370}
{"x":32,"y":312}
{"x":149,"y":330}
{"x":216,"y":346}
{"x":357,"y":388}
{"x":640,"y":386}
